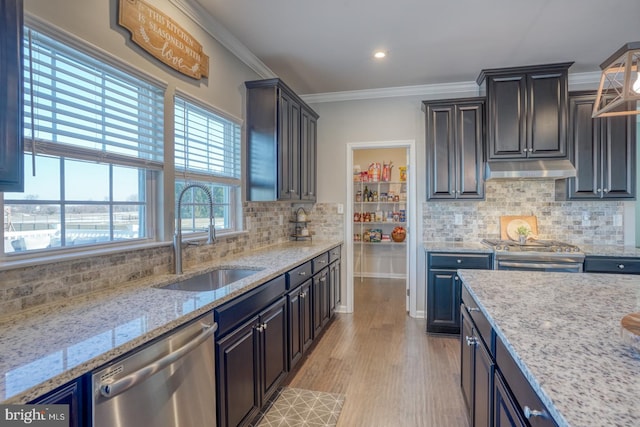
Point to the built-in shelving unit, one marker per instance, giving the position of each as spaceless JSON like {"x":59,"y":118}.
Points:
{"x":378,"y":208}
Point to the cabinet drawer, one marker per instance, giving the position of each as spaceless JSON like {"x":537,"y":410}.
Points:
{"x":480,"y":321}
{"x":455,"y":261}
{"x":594,"y":264}
{"x":334,"y":254}
{"x":320,"y":262}
{"x":236,"y":311}
{"x":526,"y":398}
{"x":298,"y":275}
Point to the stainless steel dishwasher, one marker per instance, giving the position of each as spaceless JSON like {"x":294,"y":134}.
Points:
{"x":170,"y":383}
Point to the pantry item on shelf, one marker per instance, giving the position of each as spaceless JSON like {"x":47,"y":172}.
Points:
{"x":374,"y":172}
{"x":403,"y":173}
{"x":359,"y":196}
{"x":386,"y":171}
{"x":356,"y":217}
{"x":376,"y":235}
{"x":399,"y":234}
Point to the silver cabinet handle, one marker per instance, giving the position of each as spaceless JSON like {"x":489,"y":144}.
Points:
{"x":322,"y":261}
{"x":530,"y":413}
{"x":471,"y":341}
{"x":125,"y":383}
{"x":471,"y":309}
{"x":621,"y":266}
{"x":302,"y":273}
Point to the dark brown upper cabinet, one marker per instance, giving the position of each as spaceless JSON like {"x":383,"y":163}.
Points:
{"x":11,"y":96}
{"x":281,"y":144}
{"x":603,"y":150}
{"x":454,"y":138}
{"x":527,"y":111}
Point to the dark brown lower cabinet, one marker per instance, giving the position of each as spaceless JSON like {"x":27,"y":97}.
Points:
{"x":321,"y":303}
{"x":495,"y":390}
{"x":300,"y":322}
{"x":251,"y":363}
{"x":74,"y":394}
{"x":477,"y":370}
{"x":506,"y":412}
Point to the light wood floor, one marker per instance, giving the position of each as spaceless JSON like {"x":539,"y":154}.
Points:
{"x":391,"y":372}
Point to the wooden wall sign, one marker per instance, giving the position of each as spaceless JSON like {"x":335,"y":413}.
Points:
{"x":163,"y":38}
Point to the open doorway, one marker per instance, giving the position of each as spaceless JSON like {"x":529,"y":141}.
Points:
{"x":380,"y":218}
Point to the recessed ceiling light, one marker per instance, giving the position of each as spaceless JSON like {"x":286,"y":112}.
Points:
{"x":379,"y":54}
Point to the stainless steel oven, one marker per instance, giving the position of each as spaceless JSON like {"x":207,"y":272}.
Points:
{"x":536,"y":255}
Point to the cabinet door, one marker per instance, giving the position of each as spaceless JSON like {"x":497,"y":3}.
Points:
{"x":469,"y":157}
{"x":70,"y":394}
{"x":288,"y":147}
{"x":334,"y":283}
{"x":467,"y":352}
{"x":547,"y":114}
{"x":506,"y":413}
{"x":237,"y":375}
{"x":308,"y":149}
{"x":320,"y":301}
{"x":11,"y":100}
{"x":584,"y":149}
{"x":443,"y":297}
{"x":273,"y":350}
{"x":440,"y":139}
{"x":506,"y":117}
{"x":619,"y":157}
{"x":483,"y":385}
{"x":295,"y":314}
{"x":307,"y":314}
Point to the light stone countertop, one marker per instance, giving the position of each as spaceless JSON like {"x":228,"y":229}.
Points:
{"x":563,"y":330}
{"x":43,"y":348}
{"x":457,"y":247}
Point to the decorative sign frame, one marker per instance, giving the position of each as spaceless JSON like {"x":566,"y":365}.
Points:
{"x":163,"y":38}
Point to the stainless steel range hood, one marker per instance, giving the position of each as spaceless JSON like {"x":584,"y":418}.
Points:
{"x":532,"y":169}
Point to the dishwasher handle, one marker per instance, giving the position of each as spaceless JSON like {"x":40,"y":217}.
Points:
{"x":109,"y":390}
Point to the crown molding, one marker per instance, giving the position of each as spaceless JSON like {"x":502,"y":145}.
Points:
{"x":585,"y":79}
{"x":447,"y":89}
{"x":215,"y":29}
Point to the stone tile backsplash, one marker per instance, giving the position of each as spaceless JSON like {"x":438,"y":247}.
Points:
{"x":577,"y":222}
{"x":266,"y":224}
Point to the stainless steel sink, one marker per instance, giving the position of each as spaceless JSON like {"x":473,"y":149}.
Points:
{"x":210,"y":281}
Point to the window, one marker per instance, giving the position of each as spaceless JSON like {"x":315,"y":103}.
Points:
{"x":207,"y":152}
{"x":93,"y":148}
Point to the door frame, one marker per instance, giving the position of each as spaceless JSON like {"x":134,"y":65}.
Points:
{"x":412,"y":211}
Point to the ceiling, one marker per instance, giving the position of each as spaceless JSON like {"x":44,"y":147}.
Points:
{"x":326,"y":46}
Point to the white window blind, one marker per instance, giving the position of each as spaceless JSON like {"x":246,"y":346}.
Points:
{"x":76,"y":103}
{"x":205,"y":142}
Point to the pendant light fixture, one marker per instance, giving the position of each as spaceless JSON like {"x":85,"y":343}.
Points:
{"x":619,"y":88}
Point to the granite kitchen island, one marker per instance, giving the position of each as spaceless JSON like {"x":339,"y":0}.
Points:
{"x":563,"y":332}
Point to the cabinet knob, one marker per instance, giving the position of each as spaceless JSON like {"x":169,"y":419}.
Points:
{"x":599,"y":190}
{"x":530,"y":413}
{"x":302,"y":273}
{"x":531,"y":150}
{"x":621,"y":266}
{"x":606,"y":190}
{"x":459,"y":261}
{"x":264,"y":326}
{"x":456,"y":278}
{"x":259,"y":328}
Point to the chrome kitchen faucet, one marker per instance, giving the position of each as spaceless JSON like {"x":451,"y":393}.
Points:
{"x":177,"y":237}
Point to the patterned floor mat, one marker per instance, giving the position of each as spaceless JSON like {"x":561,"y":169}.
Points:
{"x":294,"y":407}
